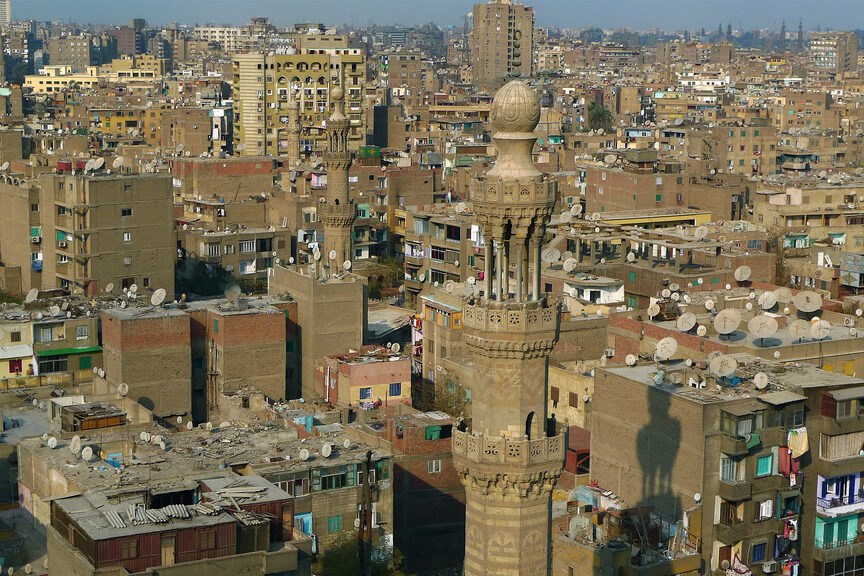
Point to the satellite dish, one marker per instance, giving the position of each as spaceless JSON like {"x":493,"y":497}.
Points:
{"x":686,"y":322}
{"x":143,"y":436}
{"x":52,"y":442}
{"x":762,"y":327}
{"x":566,"y":217}
{"x":820,"y":329}
{"x":179,"y":419}
{"x":32,"y":295}
{"x":653,"y":310}
{"x":749,"y":306}
{"x":189,"y":425}
{"x":123,"y":389}
{"x":858,"y":312}
{"x":742,"y":273}
{"x":665,"y":348}
{"x":346,"y":443}
{"x":550,"y":255}
{"x":346,"y":265}
{"x":675,"y":296}
{"x":471,"y":280}
{"x":570,"y":264}
{"x":88,"y":167}
{"x":326,"y":450}
{"x":799,"y":329}
{"x":630,"y":360}
{"x":396,"y":347}
{"x":98,"y":163}
{"x":700,"y":281}
{"x":701,"y":331}
{"x":75,"y":445}
{"x":133,"y":289}
{"x":783,"y":294}
{"x":332,"y":254}
{"x":304,"y":454}
{"x":147,"y":436}
{"x":767,"y":300}
{"x":631,"y":257}
{"x":807,"y":301}
{"x":291,"y":260}
{"x":208,"y":426}
{"x":87,"y":453}
{"x":700,"y":232}
{"x":674,"y":287}
{"x":665,"y":293}
{"x":576,"y":209}
{"x":723,"y":365}
{"x":422,"y":277}
{"x":709,"y":304}
{"x":596,"y":218}
{"x":123,"y":304}
{"x":101,"y":372}
{"x":610,"y":158}
{"x":4,"y":166}
{"x":233,"y":292}
{"x":761,"y":380}
{"x":727,"y":321}
{"x":728,"y":286}
{"x":117,"y":163}
{"x":566,"y":255}
{"x":697,"y":497}
{"x":448,"y":287}
{"x":158,"y":297}
{"x":316,"y":255}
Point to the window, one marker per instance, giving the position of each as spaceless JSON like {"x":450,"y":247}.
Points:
{"x":127,"y":260}
{"x":433,"y":466}
{"x":247,"y":246}
{"x":52,"y":364}
{"x":81,"y":332}
{"x":365,"y":393}
{"x":15,"y":336}
{"x":454,"y":233}
{"x":437,"y":253}
{"x":658,"y":198}
{"x":216,"y":325}
{"x":16,"y":366}
{"x":730,"y":469}
{"x":396,"y":389}
{"x":34,"y":207}
{"x":125,"y":211}
{"x":573,"y":399}
{"x":207,"y":540}
{"x":436,"y":276}
{"x":229,"y":249}
{"x":334,"y":481}
{"x":128,"y":549}
{"x":85,"y":362}
{"x":334,"y":524}
{"x":127,"y":236}
{"x":763,"y":466}
{"x":631,"y":276}
{"x":844,"y":409}
{"x":43,"y":334}
{"x":758,"y":552}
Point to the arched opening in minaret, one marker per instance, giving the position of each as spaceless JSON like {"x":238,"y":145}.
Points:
{"x":529,"y":422}
{"x":336,"y":200}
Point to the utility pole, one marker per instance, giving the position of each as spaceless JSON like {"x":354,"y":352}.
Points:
{"x":364,"y":536}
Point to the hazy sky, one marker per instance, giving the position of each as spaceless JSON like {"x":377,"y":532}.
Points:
{"x":638,"y":14}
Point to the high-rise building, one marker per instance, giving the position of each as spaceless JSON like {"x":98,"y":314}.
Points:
{"x":834,"y":52}
{"x":502,"y":42}
{"x":262,"y":83}
{"x":510,"y":457}
{"x":5,"y":12}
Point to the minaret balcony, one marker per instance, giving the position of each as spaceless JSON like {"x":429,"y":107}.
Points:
{"x":509,"y":451}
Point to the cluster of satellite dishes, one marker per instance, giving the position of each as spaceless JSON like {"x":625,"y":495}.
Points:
{"x":326,"y":450}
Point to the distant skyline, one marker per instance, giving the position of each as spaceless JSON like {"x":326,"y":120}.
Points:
{"x":636,"y":14}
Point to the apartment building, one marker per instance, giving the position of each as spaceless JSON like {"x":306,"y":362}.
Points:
{"x":73,"y":51}
{"x":502,"y":42}
{"x":835,"y":53}
{"x":366,"y":379}
{"x":263,"y":84}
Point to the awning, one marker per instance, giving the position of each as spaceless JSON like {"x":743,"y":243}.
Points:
{"x":781,"y":398}
{"x":743,"y":408}
{"x":68,"y":351}
{"x":18,"y":351}
{"x":847,"y":393}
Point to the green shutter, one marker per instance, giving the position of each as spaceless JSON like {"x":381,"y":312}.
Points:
{"x":631,"y":276}
{"x":61,"y":236}
{"x":763,"y":466}
{"x":85,"y":362}
{"x":216,"y":325}
{"x":334,"y":524}
{"x":34,"y":231}
{"x":658,"y":198}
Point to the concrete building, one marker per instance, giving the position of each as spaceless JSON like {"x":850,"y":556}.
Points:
{"x":508,"y":459}
{"x":5,"y":12}
{"x":73,"y":51}
{"x":263,"y":83}
{"x":833,"y":52}
{"x":502,"y":42}
{"x":372,"y":378}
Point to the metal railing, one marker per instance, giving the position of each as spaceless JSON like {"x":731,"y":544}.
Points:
{"x":836,"y":501}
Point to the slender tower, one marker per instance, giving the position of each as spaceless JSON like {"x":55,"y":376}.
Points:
{"x":505,"y":459}
{"x":337,"y":213}
{"x":293,"y":130}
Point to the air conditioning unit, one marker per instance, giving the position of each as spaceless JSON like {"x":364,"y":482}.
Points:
{"x":609,"y":352}
{"x":36,"y":239}
{"x":848,"y":322}
{"x":62,"y":244}
{"x":769,"y":566}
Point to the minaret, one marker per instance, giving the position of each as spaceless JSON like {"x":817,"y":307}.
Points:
{"x":337,"y":213}
{"x":505,"y":459}
{"x":293,"y":130}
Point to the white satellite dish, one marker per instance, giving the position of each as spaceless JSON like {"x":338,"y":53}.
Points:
{"x":87,"y":453}
{"x":332,"y":254}
{"x":117,"y":163}
{"x":723,"y":365}
{"x":653,"y":310}
{"x":448,"y":287}
{"x":550,"y":255}
{"x":566,"y":217}
{"x":631,"y":257}
{"x":570,"y":264}
{"x":52,"y":442}
{"x":576,"y":209}
{"x":709,"y":304}
{"x":346,"y":265}
{"x":158,"y":297}
{"x":326,"y":450}
{"x":208,"y":426}
{"x":98,"y":163}
{"x":88,"y":166}
{"x":189,"y":425}
{"x":700,"y":281}
{"x":686,"y":321}
{"x":346,"y":443}
{"x":783,"y":295}
{"x":727,"y":321}
{"x":101,"y":372}
{"x":422,"y":277}
{"x":396,"y":347}
{"x":179,"y":419}
{"x":674,"y":287}
{"x":749,"y":306}
{"x":820,"y":329}
{"x":728,"y":286}
{"x":760,"y":379}
{"x":316,"y":255}
{"x":4,"y":166}
{"x":762,"y":327}
{"x":675,"y":296}
{"x":665,"y":293}
{"x":630,"y":360}
{"x":807,"y":301}
{"x":133,"y":288}
{"x":32,"y":295}
{"x":143,"y":436}
{"x":858,"y":312}
{"x":767,"y":300}
{"x":665,"y":348}
{"x":109,"y":288}
{"x":701,"y":331}
{"x":123,"y":389}
{"x":75,"y":445}
{"x":799,"y":329}
{"x":700,"y":232}
{"x":471,"y":280}
{"x":304,"y":454}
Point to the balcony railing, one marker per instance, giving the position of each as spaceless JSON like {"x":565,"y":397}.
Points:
{"x":834,"y":506}
{"x":834,"y":544}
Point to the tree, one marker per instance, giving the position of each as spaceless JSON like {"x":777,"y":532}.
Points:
{"x":593,"y":34}
{"x":599,"y":117}
{"x":343,"y":559}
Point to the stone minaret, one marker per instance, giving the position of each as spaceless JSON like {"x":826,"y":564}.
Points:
{"x":293,"y":130}
{"x":505,"y":459}
{"x":337,"y":213}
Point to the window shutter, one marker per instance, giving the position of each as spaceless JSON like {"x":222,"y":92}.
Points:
{"x":555,"y":394}
{"x":829,"y":405}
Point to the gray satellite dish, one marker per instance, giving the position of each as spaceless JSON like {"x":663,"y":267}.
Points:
{"x":760,"y":380}
{"x":665,"y":348}
{"x":799,"y":329}
{"x":820,"y":329}
{"x":630,"y":360}
{"x":727,"y":321}
{"x":158,"y":297}
{"x":123,"y":389}
{"x":32,"y":295}
{"x":700,"y":232}
{"x":346,"y":265}
{"x":686,"y":322}
{"x":723,"y":365}
{"x":807,"y":301}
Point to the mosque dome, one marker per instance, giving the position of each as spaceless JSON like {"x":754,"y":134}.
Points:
{"x":515,"y":108}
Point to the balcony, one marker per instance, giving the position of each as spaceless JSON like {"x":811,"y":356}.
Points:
{"x":413,"y":285}
{"x":729,"y":533}
{"x":413,"y":260}
{"x":833,"y":507}
{"x":837,"y":549}
{"x":734,"y":491}
{"x":733,"y":446}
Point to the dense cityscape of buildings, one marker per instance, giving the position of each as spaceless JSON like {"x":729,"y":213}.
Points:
{"x":492,"y":298}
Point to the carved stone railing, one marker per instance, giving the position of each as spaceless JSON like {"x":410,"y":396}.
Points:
{"x":508,"y":451}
